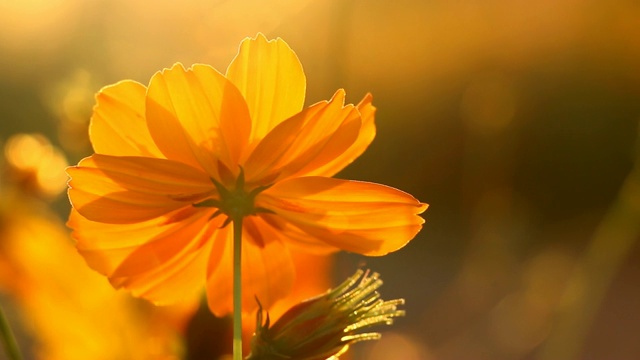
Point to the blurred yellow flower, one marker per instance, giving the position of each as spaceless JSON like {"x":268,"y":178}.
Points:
{"x":196,"y":144}
{"x":34,"y":165}
{"x":67,"y":311}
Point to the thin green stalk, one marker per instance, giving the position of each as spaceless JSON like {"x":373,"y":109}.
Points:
{"x":237,"y":288}
{"x":10,"y":345}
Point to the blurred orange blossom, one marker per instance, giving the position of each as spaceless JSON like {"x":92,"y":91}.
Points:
{"x":173,"y":156}
{"x":58,"y":302}
{"x":62,"y":304}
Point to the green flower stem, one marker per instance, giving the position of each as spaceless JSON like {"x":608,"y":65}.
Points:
{"x":9,"y":341}
{"x":237,"y":288}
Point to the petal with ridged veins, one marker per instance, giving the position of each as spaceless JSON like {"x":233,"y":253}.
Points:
{"x":118,"y":126}
{"x":163,"y":260}
{"x":365,"y":137}
{"x":270,"y":77}
{"x":360,"y":217}
{"x":114,"y":189}
{"x":307,"y":141}
{"x":198,"y":117}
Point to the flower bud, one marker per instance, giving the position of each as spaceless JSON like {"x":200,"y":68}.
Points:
{"x":323,"y":327}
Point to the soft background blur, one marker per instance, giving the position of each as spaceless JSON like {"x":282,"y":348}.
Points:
{"x":517,"y":121}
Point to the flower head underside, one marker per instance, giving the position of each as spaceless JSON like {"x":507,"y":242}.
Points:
{"x":178,"y":159}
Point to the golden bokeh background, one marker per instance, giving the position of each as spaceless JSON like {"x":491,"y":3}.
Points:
{"x":517,"y":121}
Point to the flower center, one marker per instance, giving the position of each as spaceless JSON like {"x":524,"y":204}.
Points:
{"x":236,"y":203}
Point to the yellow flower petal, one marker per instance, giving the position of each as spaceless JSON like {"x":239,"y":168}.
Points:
{"x":198,"y":117}
{"x":267,"y":273}
{"x":105,"y":246}
{"x":365,"y":137}
{"x":118,"y":126}
{"x":306,"y":141}
{"x":270,"y":77}
{"x":361,"y":217}
{"x":115,"y":189}
{"x":160,"y":260}
{"x":296,"y":238}
{"x":155,"y":250}
{"x":175,"y":279}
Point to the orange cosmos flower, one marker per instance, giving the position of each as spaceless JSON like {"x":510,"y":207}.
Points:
{"x":175,"y":159}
